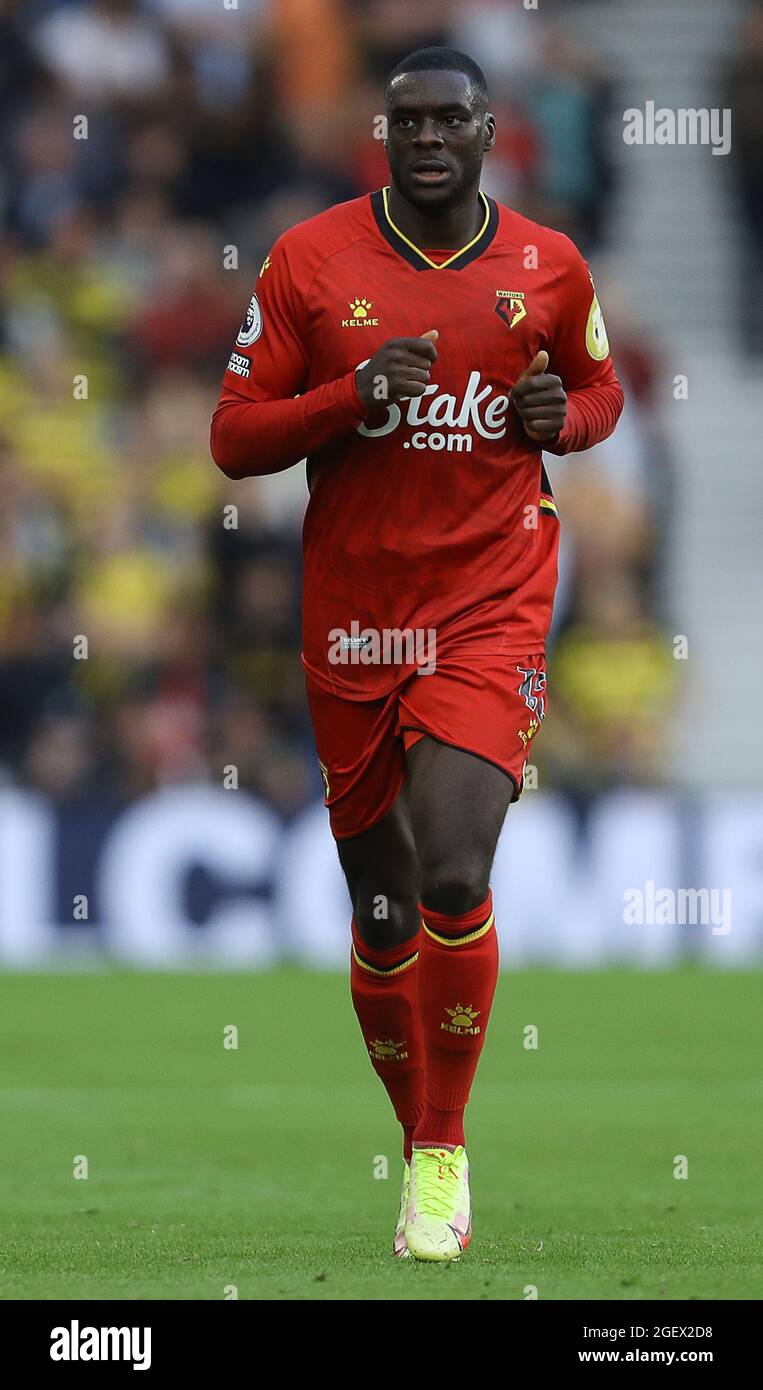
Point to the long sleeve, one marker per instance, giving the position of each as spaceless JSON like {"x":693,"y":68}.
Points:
{"x":249,"y":438}
{"x":579,"y":354}
{"x":592,"y":413}
{"x":265,"y":420}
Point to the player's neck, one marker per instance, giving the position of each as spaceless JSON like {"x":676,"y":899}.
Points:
{"x":447,"y":230}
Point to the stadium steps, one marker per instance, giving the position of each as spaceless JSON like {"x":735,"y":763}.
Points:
{"x":675,"y":239}
{"x":715,"y":578}
{"x":672,"y":219}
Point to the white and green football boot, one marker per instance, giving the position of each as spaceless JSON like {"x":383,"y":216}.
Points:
{"x":399,"y":1244}
{"x":438,"y":1224}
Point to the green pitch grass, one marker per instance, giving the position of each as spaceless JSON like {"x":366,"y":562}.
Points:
{"x":255,"y":1168}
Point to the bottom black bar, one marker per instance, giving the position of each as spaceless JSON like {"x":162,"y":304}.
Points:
{"x":113,"y":1338}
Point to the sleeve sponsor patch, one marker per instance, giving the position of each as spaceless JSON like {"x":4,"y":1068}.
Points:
{"x":251,"y":328}
{"x":596,"y":340}
{"x":238,"y":364}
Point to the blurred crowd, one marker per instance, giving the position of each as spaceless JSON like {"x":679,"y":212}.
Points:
{"x":150,"y":152}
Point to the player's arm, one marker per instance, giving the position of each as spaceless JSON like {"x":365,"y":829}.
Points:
{"x":261,"y":425}
{"x":577,"y":403}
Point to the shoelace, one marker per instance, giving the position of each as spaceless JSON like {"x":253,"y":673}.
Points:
{"x":406,"y":1192}
{"x":436,"y":1180}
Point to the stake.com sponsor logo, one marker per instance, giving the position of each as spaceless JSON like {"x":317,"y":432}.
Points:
{"x":75,"y":1343}
{"x":445,"y":410}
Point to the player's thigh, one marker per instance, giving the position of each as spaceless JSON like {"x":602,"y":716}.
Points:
{"x":458,"y":803}
{"x":381,"y":862}
{"x":479,"y":717}
{"x":364,"y":771}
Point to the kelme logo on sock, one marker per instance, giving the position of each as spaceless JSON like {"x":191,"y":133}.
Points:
{"x":388,"y":1051}
{"x":461,"y":1020}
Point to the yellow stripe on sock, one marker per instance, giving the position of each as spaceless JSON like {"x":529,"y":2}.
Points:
{"x":395,"y":969}
{"x":459,"y":940}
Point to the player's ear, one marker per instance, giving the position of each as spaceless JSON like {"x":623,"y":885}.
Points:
{"x":489,"y":128}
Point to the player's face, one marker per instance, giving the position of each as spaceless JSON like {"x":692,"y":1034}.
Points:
{"x":437,"y":136}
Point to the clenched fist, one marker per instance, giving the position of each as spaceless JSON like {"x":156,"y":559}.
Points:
{"x":400,"y":368}
{"x":540,"y":400}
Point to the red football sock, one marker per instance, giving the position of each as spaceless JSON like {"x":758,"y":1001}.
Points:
{"x":457,"y":976}
{"x":385,"y":997}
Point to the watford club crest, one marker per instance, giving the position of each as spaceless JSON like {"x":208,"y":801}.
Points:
{"x":462,"y":1020}
{"x":511,"y":306}
{"x":388,"y":1051}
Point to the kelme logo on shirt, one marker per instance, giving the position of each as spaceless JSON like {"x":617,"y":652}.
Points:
{"x":360,"y":309}
{"x":448,"y":421}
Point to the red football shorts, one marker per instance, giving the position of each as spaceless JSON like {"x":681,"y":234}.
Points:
{"x":491,"y":706}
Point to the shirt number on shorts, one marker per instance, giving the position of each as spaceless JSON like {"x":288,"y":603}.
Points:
{"x":532,"y":689}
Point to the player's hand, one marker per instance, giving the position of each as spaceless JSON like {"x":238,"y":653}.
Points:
{"x":540,"y":400}
{"x":400,"y":368}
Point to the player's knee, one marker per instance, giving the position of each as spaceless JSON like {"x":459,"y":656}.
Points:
{"x":383,"y":921}
{"x":454,"y":888}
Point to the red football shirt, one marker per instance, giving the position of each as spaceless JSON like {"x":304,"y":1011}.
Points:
{"x":435,"y":512}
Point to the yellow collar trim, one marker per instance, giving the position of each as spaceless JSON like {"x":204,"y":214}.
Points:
{"x":418,"y":250}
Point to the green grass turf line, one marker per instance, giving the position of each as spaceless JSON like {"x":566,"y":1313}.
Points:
{"x":255,"y":1167}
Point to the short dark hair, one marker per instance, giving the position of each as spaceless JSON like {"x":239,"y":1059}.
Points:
{"x":442,"y":60}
